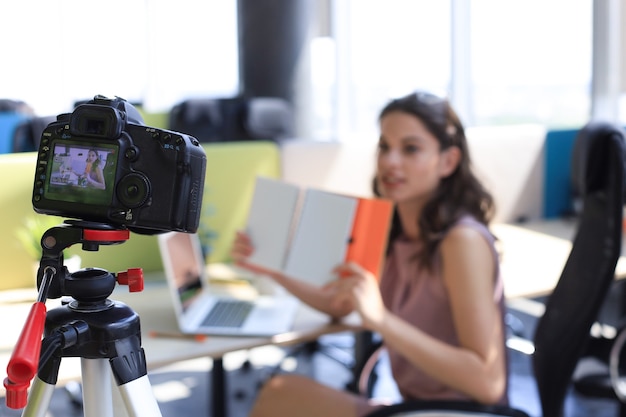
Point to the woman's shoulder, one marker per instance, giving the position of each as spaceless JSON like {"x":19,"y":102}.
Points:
{"x":469,"y":222}
{"x":467,"y":231}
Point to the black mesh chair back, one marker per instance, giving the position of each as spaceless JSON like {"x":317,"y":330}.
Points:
{"x":562,"y":331}
{"x":200,"y":118}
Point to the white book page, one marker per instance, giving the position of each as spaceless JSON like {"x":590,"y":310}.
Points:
{"x":320,"y":240}
{"x":274,"y":204}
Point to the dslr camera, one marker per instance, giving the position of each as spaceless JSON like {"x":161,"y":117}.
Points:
{"x":100,"y":163}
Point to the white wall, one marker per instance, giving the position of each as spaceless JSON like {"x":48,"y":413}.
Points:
{"x":508,"y":159}
{"x":344,"y":168}
{"x":510,"y":162}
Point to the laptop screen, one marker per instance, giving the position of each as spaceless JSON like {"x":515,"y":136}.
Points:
{"x":186,"y":267}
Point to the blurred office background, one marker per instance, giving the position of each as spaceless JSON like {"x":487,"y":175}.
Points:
{"x":552,"y":62}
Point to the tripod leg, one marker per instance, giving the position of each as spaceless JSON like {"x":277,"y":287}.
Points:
{"x":131,"y":376}
{"x":137,"y":394}
{"x":97,"y":395}
{"x":38,"y":399}
{"x":43,"y":386}
{"x":139,"y":398}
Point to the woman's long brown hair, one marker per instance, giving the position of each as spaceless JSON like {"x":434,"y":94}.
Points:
{"x":458,"y":194}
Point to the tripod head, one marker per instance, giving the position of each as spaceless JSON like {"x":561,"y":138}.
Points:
{"x":89,"y":288}
{"x":88,"y":283}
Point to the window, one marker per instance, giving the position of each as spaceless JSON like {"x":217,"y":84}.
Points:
{"x":530,"y":61}
{"x":152,"y":51}
{"x":385,"y":49}
{"x":193,"y":51}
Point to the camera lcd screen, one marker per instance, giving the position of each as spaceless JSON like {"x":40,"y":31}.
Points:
{"x":82,"y":173}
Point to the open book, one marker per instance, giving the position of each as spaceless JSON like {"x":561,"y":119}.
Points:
{"x":306,"y":232}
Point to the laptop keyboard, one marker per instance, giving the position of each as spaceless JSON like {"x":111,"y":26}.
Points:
{"x":228,"y":313}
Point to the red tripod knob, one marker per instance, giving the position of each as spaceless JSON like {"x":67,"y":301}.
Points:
{"x":16,"y":394}
{"x":24,"y":361}
{"x":133,"y":277}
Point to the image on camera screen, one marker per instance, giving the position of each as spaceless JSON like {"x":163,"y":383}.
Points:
{"x":82,"y":173}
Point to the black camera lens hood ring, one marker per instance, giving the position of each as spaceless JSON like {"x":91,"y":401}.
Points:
{"x":133,"y":190}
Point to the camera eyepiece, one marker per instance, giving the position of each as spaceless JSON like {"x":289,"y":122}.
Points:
{"x":97,"y":121}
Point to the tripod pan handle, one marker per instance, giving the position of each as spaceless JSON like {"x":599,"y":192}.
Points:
{"x":24,"y":361}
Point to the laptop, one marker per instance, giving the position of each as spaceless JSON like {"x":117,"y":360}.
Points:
{"x":203,"y":310}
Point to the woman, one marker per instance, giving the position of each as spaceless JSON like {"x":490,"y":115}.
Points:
{"x":439,"y":304}
{"x":93,"y":176}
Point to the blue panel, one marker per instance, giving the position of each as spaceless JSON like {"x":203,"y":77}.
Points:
{"x":557,"y":184}
{"x":8,"y":123}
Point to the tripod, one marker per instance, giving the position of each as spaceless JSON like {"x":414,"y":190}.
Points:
{"x":90,"y":326}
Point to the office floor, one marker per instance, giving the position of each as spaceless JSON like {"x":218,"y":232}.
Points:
{"x":181,"y":390}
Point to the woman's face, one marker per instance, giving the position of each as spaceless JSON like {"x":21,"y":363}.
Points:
{"x":91,"y":156}
{"x":410,"y":164}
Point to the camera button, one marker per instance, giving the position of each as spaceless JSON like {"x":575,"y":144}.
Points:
{"x":131,"y":154}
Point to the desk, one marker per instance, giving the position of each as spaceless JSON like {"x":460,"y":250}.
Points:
{"x":156,"y":312}
{"x":534,"y":254}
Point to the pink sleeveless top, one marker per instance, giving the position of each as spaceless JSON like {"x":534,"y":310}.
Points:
{"x":420,"y":297}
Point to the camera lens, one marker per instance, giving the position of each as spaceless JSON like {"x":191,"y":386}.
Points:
{"x":133,"y":190}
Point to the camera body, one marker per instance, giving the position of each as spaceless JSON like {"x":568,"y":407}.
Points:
{"x":100,"y":163}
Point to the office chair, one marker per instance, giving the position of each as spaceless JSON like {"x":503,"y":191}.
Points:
{"x":268,"y":118}
{"x":233,"y":118}
{"x":27,"y":134}
{"x":562,"y":332}
{"x":12,"y":113}
{"x":599,"y":373}
{"x":200,"y":118}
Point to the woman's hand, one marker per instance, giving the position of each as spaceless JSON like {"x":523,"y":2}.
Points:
{"x":242,"y":249}
{"x":358,"y":289}
{"x":320,"y":298}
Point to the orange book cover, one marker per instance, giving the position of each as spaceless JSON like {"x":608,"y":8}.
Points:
{"x":370,"y":229}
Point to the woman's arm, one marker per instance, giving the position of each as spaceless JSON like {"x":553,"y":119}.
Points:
{"x":477,"y":367}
